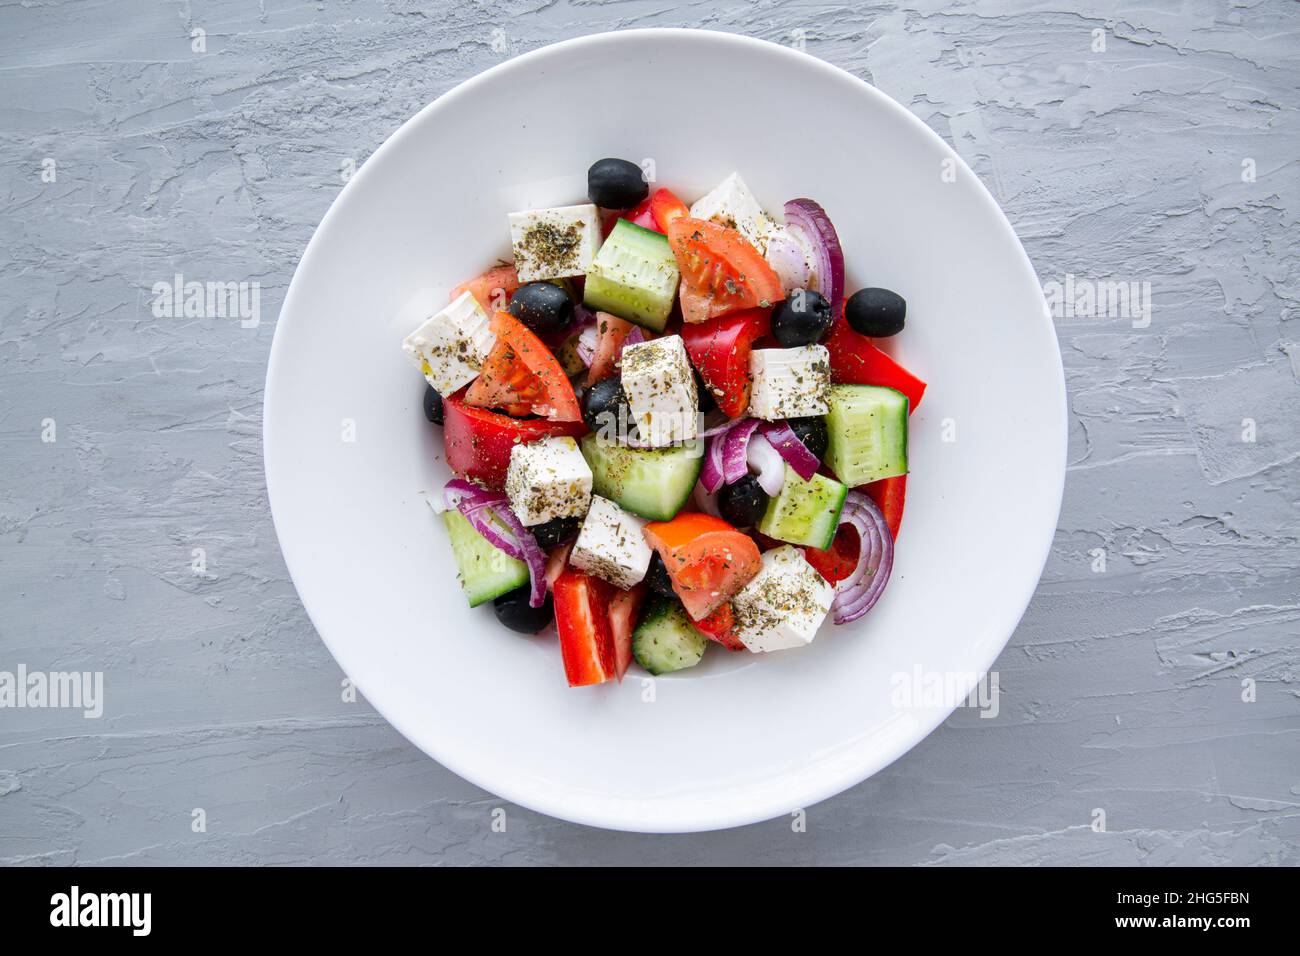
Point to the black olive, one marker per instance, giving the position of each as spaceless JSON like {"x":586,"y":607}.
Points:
{"x":876,"y":312}
{"x":556,"y":531}
{"x":657,"y":577}
{"x":433,"y":405}
{"x":542,"y":306}
{"x":707,"y":401}
{"x":512,"y":610}
{"x":616,"y":184}
{"x":801,"y":319}
{"x":812,"y":432}
{"x":605,"y":408}
{"x":743,"y":502}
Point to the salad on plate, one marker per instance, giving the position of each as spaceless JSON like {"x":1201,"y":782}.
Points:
{"x":669,"y":427}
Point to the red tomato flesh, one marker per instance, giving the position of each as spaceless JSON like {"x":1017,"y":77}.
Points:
{"x":492,"y":289}
{"x":522,"y":377}
{"x":838,"y":561}
{"x":718,"y":264}
{"x":708,"y":560}
{"x":720,"y":626}
{"x":624,"y":607}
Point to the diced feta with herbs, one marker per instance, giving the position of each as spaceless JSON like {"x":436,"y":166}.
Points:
{"x":449,"y":347}
{"x":556,"y":242}
{"x":789,"y":383}
{"x":731,"y":204}
{"x":784,"y":604}
{"x":660,"y":389}
{"x":548,"y":479}
{"x":611,"y":545}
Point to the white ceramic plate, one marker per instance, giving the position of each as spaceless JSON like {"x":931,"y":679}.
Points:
{"x":741,"y":737}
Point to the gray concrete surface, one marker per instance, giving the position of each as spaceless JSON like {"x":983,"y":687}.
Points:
{"x":1161,"y":689}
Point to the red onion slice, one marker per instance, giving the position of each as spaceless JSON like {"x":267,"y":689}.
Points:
{"x":585,"y":346}
{"x":734,"y":444}
{"x":786,"y":256}
{"x":796,"y":454}
{"x":858,"y":593}
{"x":488,"y":512}
{"x":768,"y":465}
{"x":810,"y":221}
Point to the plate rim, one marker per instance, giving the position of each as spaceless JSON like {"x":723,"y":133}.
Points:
{"x":606,"y":816}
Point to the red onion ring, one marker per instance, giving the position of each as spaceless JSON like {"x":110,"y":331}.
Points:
{"x":811,"y":222}
{"x":734,"y":445}
{"x":858,"y":593}
{"x":796,"y":454}
{"x":786,"y":256}
{"x":488,"y":512}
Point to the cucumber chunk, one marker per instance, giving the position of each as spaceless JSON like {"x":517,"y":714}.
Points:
{"x":651,"y":483}
{"x":868,"y":433}
{"x":634,"y":276}
{"x":805,"y":512}
{"x":486,"y":572}
{"x":665,"y":641}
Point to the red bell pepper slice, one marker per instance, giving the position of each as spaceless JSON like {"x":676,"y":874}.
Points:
{"x":856,"y":361}
{"x":477,"y":441}
{"x":624,"y":607}
{"x":889,"y":494}
{"x":720,"y":349}
{"x":582,"y":618}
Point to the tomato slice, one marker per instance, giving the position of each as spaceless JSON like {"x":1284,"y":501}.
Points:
{"x":477,"y":442}
{"x":493,"y":288}
{"x":624,"y":607}
{"x":708,"y":560}
{"x":838,"y":561}
{"x":889,"y":494}
{"x":521,"y":376}
{"x":720,"y":349}
{"x":720,"y":626}
{"x":666,"y":207}
{"x":718,"y":264}
{"x":611,"y":331}
{"x":856,"y":361}
{"x":582,"y":618}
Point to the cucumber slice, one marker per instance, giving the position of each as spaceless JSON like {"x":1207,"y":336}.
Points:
{"x":665,"y":641}
{"x":867,"y":426}
{"x":805,"y":512}
{"x":485,"y":571}
{"x":634,"y":276}
{"x":652,"y":483}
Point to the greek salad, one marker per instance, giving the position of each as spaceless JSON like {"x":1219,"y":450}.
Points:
{"x":669,"y":427}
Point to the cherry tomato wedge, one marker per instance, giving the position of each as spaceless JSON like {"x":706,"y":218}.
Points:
{"x":838,"y":561}
{"x":666,"y":207}
{"x":521,"y":376}
{"x":856,"y":361}
{"x":719,"y":348}
{"x":477,"y":442}
{"x":889,"y":494}
{"x":720,"y":265}
{"x":720,"y":626}
{"x":582,"y":618}
{"x":708,"y":560}
{"x":493,"y":288}
{"x":610,"y":334}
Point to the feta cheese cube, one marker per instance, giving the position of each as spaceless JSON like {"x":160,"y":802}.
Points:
{"x":611,"y":545}
{"x":789,"y":383}
{"x":548,"y":479}
{"x":660,"y":389}
{"x":449,"y":347}
{"x":731,"y":204}
{"x":785,"y":603}
{"x":556,"y":242}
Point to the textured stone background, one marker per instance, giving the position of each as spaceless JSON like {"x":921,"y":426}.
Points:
{"x":1122,"y":689}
